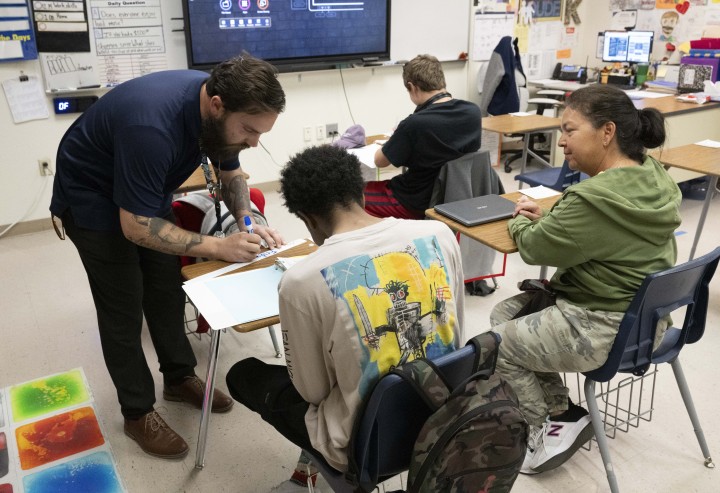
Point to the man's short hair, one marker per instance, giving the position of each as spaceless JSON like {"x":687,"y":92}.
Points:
{"x":425,"y":72}
{"x":247,"y":84}
{"x":320,"y":179}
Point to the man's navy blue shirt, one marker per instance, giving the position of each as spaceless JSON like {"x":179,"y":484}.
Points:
{"x":131,"y":149}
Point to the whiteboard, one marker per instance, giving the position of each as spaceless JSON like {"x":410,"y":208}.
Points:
{"x":436,"y":27}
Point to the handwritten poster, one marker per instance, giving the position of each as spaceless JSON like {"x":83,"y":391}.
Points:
{"x":129,"y":39}
{"x":68,"y":71}
{"x":489,"y":29}
{"x":17,"y":40}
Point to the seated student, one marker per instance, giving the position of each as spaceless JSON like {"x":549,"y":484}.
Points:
{"x":441,"y":129}
{"x":376,"y":293}
{"x":605,"y":235}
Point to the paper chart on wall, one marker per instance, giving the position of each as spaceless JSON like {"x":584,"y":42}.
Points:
{"x":129,"y":39}
{"x":489,"y":28}
{"x":68,"y":71}
{"x":26,"y":99}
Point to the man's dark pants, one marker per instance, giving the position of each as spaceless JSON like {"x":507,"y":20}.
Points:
{"x":268,"y":390}
{"x":126,"y":281}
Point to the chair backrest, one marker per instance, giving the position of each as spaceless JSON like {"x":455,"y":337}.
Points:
{"x":468,"y":176}
{"x":393,"y":417}
{"x":567,"y":177}
{"x":659,"y":295}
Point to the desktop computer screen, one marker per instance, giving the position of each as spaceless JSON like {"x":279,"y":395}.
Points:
{"x":627,"y":46}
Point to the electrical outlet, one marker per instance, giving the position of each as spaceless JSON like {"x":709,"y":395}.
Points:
{"x":307,"y":134}
{"x":44,"y":167}
{"x":331,"y":130}
{"x":320,"y":132}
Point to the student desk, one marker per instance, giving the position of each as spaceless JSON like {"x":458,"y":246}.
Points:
{"x":525,"y":125}
{"x":701,"y":159}
{"x":197,"y":270}
{"x":494,"y":234}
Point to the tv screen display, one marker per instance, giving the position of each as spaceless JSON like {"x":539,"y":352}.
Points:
{"x":627,"y":46}
{"x":291,"y":34}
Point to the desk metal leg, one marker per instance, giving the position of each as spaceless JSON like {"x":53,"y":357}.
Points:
{"x":207,"y":398}
{"x":526,"y":144}
{"x":706,"y":205}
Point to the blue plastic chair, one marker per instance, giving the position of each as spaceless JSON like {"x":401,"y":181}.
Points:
{"x":632,"y":352}
{"x":389,"y":425}
{"x":556,"y":178}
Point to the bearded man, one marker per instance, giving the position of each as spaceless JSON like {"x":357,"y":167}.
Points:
{"x":117,"y":168}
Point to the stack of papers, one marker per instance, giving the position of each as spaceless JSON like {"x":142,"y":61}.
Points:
{"x":663,"y":86}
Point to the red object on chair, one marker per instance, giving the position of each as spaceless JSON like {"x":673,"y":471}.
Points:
{"x":189,"y":217}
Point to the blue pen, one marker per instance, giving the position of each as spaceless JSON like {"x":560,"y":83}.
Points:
{"x":248,"y":224}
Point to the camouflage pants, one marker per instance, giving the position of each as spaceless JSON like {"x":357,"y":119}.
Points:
{"x":561,"y":338}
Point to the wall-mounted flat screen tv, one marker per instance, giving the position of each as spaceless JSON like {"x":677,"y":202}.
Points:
{"x":293,"y":35}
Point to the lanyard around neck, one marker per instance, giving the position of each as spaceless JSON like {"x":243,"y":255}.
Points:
{"x":214,"y":189}
{"x":430,"y":101}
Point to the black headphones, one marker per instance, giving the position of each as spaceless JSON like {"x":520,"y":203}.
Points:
{"x":430,"y":101}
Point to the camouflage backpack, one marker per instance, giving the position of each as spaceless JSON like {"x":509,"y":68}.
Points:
{"x":476,"y":438}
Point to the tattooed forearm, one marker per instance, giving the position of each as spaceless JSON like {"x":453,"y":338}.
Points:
{"x":236,"y":196}
{"x":162,"y":235}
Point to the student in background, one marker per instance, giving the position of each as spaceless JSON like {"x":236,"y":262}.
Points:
{"x":117,"y":168}
{"x":441,"y":129}
{"x":605,"y":235}
{"x":376,"y":293}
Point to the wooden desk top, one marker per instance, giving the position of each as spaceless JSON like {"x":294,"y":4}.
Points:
{"x":670,"y":106}
{"x":494,"y":234}
{"x":508,"y":124}
{"x":197,"y":270}
{"x":196,"y":181}
{"x":692,"y":157}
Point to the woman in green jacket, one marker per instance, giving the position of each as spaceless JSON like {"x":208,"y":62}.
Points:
{"x":604,"y":236}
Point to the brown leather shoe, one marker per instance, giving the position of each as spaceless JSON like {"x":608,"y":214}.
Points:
{"x":155,"y":437}
{"x":192,"y":390}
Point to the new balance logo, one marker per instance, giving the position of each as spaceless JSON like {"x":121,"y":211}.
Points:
{"x":554,"y":430}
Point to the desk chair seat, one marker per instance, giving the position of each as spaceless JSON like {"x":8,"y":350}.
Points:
{"x":662,"y":293}
{"x":189,"y":217}
{"x":390,"y":424}
{"x":556,"y":178}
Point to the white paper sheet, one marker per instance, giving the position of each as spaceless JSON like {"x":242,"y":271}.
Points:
{"x":26,"y":99}
{"x":237,"y":298}
{"x":232,"y":267}
{"x":366,"y":154}
{"x":708,"y":143}
{"x":539,"y":192}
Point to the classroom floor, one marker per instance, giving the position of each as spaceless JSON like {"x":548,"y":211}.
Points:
{"x":48,"y":325}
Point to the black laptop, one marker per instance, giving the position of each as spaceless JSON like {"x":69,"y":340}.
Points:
{"x":478,"y":210}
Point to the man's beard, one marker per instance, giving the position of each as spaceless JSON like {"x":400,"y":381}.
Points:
{"x":213,"y":143}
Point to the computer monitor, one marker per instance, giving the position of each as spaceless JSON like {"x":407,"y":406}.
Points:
{"x":627,"y":46}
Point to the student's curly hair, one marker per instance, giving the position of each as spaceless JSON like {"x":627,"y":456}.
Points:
{"x":319,"y":179}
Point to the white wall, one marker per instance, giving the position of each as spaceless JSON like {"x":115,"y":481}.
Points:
{"x":377,"y":99}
